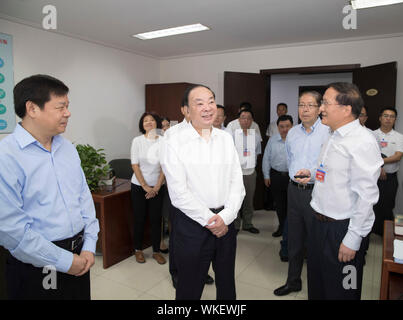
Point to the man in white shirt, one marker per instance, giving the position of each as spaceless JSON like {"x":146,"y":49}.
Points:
{"x":391,"y":145}
{"x":344,"y":193}
{"x":205,"y":184}
{"x":173,"y":270}
{"x":247,"y":143}
{"x":235,"y":124}
{"x":272,"y":128}
{"x":220,"y":118}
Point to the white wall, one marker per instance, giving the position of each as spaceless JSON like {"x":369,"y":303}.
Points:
{"x":107,"y":86}
{"x":209,"y":69}
{"x":285,"y":87}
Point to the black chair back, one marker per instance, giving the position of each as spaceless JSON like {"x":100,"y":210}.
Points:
{"x":122,"y":168}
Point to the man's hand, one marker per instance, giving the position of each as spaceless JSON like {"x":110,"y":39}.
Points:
{"x":303,"y":172}
{"x":383,"y":174}
{"x":346,"y":254}
{"x":218,"y":228}
{"x":267,"y":182}
{"x":89,"y":257}
{"x":78,"y":265}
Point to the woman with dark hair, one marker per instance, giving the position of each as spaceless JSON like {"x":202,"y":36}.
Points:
{"x":147,"y":185}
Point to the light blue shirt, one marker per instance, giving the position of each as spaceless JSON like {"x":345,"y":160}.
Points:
{"x":303,"y":148}
{"x":275,"y":156}
{"x":44,"y":197}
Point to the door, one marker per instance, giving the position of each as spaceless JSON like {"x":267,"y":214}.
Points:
{"x":249,"y":87}
{"x":378,"y":88}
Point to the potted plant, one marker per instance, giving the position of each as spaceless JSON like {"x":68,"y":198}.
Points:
{"x":94,"y":166}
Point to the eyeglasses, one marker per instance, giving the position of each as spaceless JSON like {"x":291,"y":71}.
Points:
{"x":390,"y":116}
{"x":245,"y":118}
{"x":325,"y":103}
{"x":309,"y":106}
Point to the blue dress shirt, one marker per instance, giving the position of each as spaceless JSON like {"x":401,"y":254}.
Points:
{"x":44,"y":197}
{"x":303,"y":148}
{"x":275,"y":156}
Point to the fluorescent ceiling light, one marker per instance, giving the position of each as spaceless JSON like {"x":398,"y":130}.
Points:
{"x":171,"y":31}
{"x":361,"y":4}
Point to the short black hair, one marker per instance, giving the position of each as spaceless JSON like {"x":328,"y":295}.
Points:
{"x":156,"y":118}
{"x":389,"y":109}
{"x":185,"y":99}
{"x":219,"y":106}
{"x":245,"y":105}
{"x":165,"y":118}
{"x":282,"y":104}
{"x":285,"y":117}
{"x":348,"y":94}
{"x":38,"y":89}
{"x":246,"y":110}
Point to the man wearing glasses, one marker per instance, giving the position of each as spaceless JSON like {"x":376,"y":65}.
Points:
{"x":303,"y":145}
{"x":344,"y":194}
{"x":391,"y":145}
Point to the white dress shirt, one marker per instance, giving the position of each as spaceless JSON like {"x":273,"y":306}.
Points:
{"x":234,"y":125}
{"x":203,"y":174}
{"x":248,"y":148}
{"x":352,"y":164}
{"x":272,"y":129}
{"x":389,"y":144}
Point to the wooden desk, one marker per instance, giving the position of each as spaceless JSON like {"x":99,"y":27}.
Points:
{"x":392,"y":273}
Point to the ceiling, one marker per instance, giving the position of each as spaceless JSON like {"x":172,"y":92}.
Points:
{"x":235,"y":24}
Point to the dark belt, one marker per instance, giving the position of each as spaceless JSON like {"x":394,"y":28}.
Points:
{"x":72,"y":243}
{"x":281,"y":173}
{"x":391,"y":174}
{"x":323,"y":218}
{"x":217,"y":210}
{"x":302,"y":186}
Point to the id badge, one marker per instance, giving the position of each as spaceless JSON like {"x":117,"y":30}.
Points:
{"x":384,"y":144}
{"x":320,"y":175}
{"x":246,"y":153}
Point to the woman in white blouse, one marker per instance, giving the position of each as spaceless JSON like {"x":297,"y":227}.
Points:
{"x":147,"y":182}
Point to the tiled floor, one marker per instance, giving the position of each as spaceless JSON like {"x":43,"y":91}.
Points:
{"x":258,"y":271}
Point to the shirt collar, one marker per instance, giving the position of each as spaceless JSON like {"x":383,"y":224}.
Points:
{"x":191,"y":132}
{"x":278,"y":137}
{"x":344,"y":130}
{"x":24,"y":138}
{"x":317,"y":122}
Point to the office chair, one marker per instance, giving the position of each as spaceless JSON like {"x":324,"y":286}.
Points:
{"x":122,"y":168}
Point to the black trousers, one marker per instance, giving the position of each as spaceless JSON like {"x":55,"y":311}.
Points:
{"x":279,"y":187}
{"x":26,"y":282}
{"x":387,"y":196}
{"x":142,"y":207}
{"x":299,"y":225}
{"x":173,"y":270}
{"x":195,"y":248}
{"x":329,"y":279}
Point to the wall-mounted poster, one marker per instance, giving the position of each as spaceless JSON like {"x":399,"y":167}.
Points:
{"x":7,"y":115}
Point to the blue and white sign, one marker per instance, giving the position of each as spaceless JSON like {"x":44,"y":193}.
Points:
{"x":7,"y":114}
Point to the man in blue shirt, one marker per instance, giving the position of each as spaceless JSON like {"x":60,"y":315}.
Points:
{"x":303,"y":145}
{"x":275,"y":172}
{"x":47,"y":217}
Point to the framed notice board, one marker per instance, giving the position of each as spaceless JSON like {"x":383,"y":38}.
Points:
{"x":7,"y":114}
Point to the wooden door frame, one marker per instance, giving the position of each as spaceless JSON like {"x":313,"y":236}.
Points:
{"x":338,"y":68}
